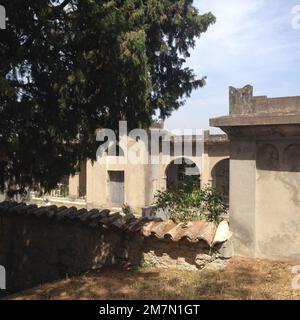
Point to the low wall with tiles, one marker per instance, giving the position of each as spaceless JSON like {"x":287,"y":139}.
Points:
{"x":43,"y":244}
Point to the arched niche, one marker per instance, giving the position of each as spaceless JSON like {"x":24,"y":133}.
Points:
{"x":220,"y":179}
{"x":291,"y":158}
{"x":267,"y":157}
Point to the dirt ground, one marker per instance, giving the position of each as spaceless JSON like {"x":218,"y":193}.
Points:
{"x":241,"y":279}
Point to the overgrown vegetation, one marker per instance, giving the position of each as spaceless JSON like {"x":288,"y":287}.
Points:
{"x":187,"y":202}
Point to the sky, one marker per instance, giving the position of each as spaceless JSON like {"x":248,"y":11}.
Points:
{"x":252,"y":42}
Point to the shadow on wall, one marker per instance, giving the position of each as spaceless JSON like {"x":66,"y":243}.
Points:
{"x":281,"y":163}
{"x":34,"y":250}
{"x":278,"y":158}
{"x":39,"y":245}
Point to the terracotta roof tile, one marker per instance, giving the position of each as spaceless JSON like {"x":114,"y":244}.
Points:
{"x":109,"y":219}
{"x":65,"y":213}
{"x":86,"y":216}
{"x":32,"y":211}
{"x":16,"y":208}
{"x":177,"y":232}
{"x":160,"y":229}
{"x":135,"y":225}
{"x":146,"y":230}
{"x":51,"y":212}
{"x":192,"y":231}
{"x":119,"y":223}
{"x":42,"y":211}
{"x":208,"y":232}
{"x":60,"y":209}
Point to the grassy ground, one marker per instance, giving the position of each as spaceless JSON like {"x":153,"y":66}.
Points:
{"x":241,"y":279}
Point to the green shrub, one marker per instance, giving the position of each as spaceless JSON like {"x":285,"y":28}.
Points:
{"x":187,"y":202}
{"x":127,"y":209}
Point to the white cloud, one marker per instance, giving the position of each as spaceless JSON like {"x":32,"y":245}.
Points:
{"x":244,"y":30}
{"x":252,"y":42}
{"x":232,"y":22}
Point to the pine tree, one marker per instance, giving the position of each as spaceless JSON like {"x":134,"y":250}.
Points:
{"x":69,"y":67}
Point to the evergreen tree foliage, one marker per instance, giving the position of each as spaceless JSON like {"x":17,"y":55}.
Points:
{"x":68,"y":67}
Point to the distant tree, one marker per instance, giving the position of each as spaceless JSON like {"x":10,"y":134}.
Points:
{"x":69,"y":67}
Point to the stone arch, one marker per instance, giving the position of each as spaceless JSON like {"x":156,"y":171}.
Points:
{"x":267,"y":157}
{"x":291,"y":158}
{"x":176,"y":172}
{"x":220,"y":179}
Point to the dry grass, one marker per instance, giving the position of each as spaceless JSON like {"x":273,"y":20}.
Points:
{"x":242,"y":279}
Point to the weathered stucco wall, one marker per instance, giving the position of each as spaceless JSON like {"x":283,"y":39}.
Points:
{"x":137,"y":180}
{"x":264,"y":138}
{"x":278,"y":199}
{"x":34,"y":250}
{"x":265,"y":198}
{"x":142,"y":181}
{"x":242,"y":196}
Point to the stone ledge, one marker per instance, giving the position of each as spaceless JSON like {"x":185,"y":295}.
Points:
{"x":255,"y":119}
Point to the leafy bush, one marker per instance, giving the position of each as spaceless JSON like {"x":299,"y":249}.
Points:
{"x":127,"y":210}
{"x":187,"y":202}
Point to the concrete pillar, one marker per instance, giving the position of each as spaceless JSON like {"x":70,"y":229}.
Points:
{"x":205,"y":172}
{"x":73,"y":186}
{"x":264,"y":135}
{"x":242,"y":196}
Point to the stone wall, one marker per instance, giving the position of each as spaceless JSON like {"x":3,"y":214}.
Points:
{"x":243,"y":102}
{"x":38,"y":249}
{"x":182,"y":255}
{"x":43,"y":244}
